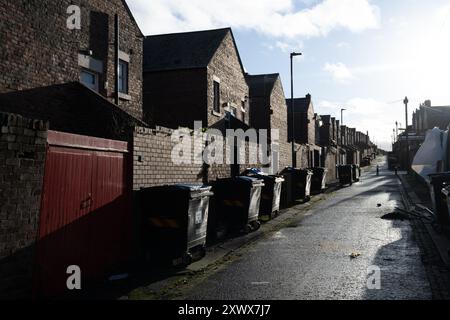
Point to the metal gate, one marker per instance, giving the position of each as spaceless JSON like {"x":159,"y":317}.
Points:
{"x":86,"y":212}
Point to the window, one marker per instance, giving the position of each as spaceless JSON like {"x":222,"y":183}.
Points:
{"x":89,"y":79}
{"x":123,"y":77}
{"x":216,"y":107}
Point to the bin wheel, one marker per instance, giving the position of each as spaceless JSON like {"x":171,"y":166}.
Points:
{"x":187,"y":259}
{"x":255,"y":225}
{"x":248,"y":228}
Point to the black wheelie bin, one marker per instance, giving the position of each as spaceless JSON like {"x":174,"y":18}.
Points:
{"x":356,"y":172}
{"x":271,"y":192}
{"x":345,"y":173}
{"x":235,"y":208}
{"x":318,"y":180}
{"x":175,"y":220}
{"x":301,"y":183}
{"x":438,"y":181}
{"x":286,"y":190}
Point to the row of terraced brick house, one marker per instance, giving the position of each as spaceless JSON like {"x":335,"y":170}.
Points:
{"x":66,"y":93}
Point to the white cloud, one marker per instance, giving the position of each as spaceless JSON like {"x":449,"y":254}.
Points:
{"x":271,"y":18}
{"x":285,"y":46}
{"x":343,"y":45}
{"x":339,"y":72}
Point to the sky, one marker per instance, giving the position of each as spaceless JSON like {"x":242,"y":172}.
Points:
{"x":361,"y":55}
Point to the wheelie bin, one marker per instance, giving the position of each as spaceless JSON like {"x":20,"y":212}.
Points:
{"x":345,"y":173}
{"x":286,"y":190}
{"x":235,"y":206}
{"x":301,"y":183}
{"x":175,"y":220}
{"x":318,"y":180}
{"x":271,"y":192}
{"x":438,"y":181}
{"x":356,"y":173}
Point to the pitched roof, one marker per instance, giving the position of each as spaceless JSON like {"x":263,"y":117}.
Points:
{"x":127,"y":8}
{"x":73,"y":108}
{"x":261,"y":85}
{"x":300,"y":104}
{"x":188,"y":50}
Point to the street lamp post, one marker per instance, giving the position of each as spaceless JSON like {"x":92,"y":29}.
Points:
{"x":294,"y":157}
{"x":396,"y":130}
{"x":406,"y":101}
{"x":342,"y":116}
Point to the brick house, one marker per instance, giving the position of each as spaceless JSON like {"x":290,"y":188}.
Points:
{"x":348,"y":136}
{"x":193,"y":76}
{"x":365,"y":148}
{"x":329,"y":144}
{"x":54,"y":77}
{"x":41,"y":57}
{"x":427,"y":117}
{"x":305,"y":130}
{"x":268,"y":111}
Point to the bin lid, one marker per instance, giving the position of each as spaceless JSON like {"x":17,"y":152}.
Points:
{"x":251,"y":180}
{"x":319,"y":169}
{"x":255,"y":171}
{"x":192,"y":187}
{"x":291,"y":169}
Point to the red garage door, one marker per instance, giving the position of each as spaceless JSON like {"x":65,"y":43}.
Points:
{"x":86,"y":211}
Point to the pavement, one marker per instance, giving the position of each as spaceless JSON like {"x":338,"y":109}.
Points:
{"x":434,"y":244}
{"x":330,"y":248}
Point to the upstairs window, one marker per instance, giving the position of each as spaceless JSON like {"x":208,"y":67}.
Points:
{"x":89,"y":79}
{"x":123,"y":77}
{"x":216,"y":106}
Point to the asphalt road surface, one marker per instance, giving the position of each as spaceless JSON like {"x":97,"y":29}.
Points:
{"x":312,"y":258}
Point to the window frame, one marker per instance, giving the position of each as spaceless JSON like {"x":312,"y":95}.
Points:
{"x":124,"y":80}
{"x":96,"y":87}
{"x":216,"y":97}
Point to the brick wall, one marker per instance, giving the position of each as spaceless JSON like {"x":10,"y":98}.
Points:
{"x":153,"y":166}
{"x":153,"y":163}
{"x":22,"y":157}
{"x":233,"y":87}
{"x":278,"y":121}
{"x":302,"y":152}
{"x":311,"y":127}
{"x":175,"y":98}
{"x":38,"y":49}
{"x":331,"y":158}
